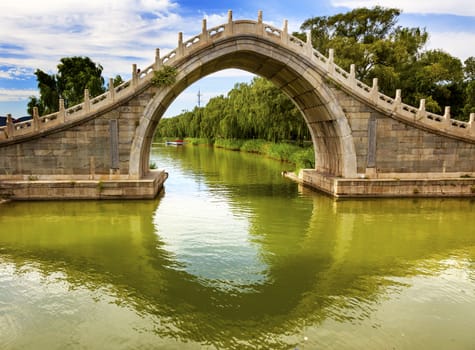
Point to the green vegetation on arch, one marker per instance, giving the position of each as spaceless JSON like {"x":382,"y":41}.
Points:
{"x":165,"y":76}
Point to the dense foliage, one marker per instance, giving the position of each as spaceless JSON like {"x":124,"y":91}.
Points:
{"x":74,"y":75}
{"x":165,"y":76}
{"x":372,"y":40}
{"x":298,"y":157}
{"x":257,"y":110}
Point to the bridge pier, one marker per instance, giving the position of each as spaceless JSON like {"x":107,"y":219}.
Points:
{"x":432,"y":185}
{"x":81,"y":187}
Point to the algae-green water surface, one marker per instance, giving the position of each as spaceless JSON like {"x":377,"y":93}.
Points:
{"x":233,"y":256}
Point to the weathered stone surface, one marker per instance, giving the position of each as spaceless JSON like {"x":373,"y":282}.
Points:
{"x":342,"y":188}
{"x":52,"y":188}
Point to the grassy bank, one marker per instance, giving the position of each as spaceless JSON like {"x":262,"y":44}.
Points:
{"x":301,"y":157}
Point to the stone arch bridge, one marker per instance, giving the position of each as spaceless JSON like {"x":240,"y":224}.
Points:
{"x":366,"y":143}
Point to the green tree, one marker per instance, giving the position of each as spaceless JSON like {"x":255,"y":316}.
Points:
{"x":368,"y":38}
{"x":117,"y":80}
{"x":469,"y":86}
{"x":74,"y":75}
{"x":469,"y":68}
{"x":257,"y":110}
{"x":372,"y":40}
{"x":436,"y":76}
{"x":49,"y":94}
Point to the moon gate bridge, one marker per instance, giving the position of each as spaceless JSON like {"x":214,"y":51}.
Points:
{"x":366,"y":143}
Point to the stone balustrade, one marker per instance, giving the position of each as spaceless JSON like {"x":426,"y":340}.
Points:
{"x":418,"y":116}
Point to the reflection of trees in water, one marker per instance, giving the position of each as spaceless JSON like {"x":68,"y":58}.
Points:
{"x":325,"y":259}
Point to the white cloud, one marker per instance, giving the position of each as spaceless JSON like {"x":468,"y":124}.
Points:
{"x":113,"y":33}
{"x":9,"y":95}
{"x":15,"y":72}
{"x":213,"y":20}
{"x":454,"y":43}
{"x":454,"y":7}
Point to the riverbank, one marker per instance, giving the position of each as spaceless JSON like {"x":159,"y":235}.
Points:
{"x":302,"y":157}
{"x":301,"y":169}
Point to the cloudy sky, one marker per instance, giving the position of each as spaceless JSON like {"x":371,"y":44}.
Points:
{"x":116,"y":33}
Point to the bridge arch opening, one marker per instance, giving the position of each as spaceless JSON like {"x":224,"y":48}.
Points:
{"x":290,"y":72}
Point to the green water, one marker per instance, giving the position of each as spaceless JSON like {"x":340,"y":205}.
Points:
{"x":233,"y":256}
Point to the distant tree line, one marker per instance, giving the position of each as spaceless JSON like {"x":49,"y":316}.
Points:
{"x":257,"y":110}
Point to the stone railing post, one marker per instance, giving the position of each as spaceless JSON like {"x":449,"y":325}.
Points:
{"x":135,"y":77}
{"x":181,"y":48}
{"x":260,"y":24}
{"x":229,"y":28}
{"x":472,"y":124}
{"x":36,"y":119}
{"x":87,"y":101}
{"x":331,"y":61}
{"x":158,"y":60}
{"x":447,"y":121}
{"x":397,"y":101}
{"x":204,"y":31}
{"x":10,"y":127}
{"x":421,"y":113}
{"x":285,"y":33}
{"x":62,"y":111}
{"x":111,"y":90}
{"x":352,"y":77}
{"x":308,"y":45}
{"x":374,"y":94}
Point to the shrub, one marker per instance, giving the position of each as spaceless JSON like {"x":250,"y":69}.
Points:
{"x":282,"y":151}
{"x":304,"y":158}
{"x":165,"y":76}
{"x":230,"y":144}
{"x":254,"y":146}
{"x":195,"y":141}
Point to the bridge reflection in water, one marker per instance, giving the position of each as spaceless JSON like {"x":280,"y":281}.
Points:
{"x":220,"y":262}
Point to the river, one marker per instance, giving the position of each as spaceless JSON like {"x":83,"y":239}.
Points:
{"x":234,"y":256}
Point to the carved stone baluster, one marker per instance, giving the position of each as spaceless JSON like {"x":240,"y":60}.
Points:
{"x":447,"y":120}
{"x":87,"y":101}
{"x":421,"y":113}
{"x":36,"y":119}
{"x":472,"y":124}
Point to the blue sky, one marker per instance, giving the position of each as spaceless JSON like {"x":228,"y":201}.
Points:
{"x":117,"y":33}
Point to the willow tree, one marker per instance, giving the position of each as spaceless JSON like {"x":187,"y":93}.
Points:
{"x":257,"y":110}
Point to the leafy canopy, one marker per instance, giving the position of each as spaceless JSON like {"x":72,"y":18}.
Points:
{"x":74,"y":75}
{"x":371,"y":39}
{"x":257,"y":110}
